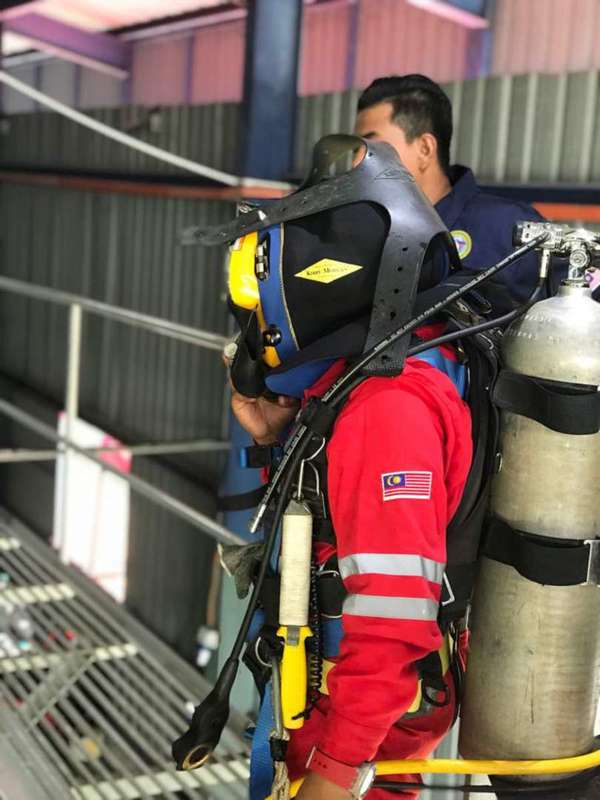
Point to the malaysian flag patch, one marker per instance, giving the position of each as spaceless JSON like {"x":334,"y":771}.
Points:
{"x":409,"y":484}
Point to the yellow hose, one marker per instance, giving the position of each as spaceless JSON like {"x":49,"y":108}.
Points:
{"x":458,"y":766}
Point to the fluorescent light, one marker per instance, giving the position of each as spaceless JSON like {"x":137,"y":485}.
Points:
{"x":452,"y":13}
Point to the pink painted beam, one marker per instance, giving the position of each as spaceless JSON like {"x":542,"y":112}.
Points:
{"x":98,"y":51}
{"x":15,"y":8}
{"x":450,"y":12}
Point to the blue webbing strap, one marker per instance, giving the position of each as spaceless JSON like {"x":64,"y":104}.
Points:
{"x":261,"y":764}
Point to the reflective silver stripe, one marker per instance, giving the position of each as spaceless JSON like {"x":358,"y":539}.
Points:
{"x":392,"y":564}
{"x":368,"y":605}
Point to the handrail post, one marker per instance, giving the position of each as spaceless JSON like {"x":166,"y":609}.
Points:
{"x":71,"y":412}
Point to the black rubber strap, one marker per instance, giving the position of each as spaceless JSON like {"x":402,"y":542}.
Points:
{"x":330,"y":592}
{"x":318,"y":417}
{"x":269,"y":600}
{"x":456,"y":593}
{"x":323,"y":531}
{"x":241,"y":502}
{"x":563,"y":407}
{"x":258,"y":456}
{"x":432,"y":680}
{"x":550,"y":562}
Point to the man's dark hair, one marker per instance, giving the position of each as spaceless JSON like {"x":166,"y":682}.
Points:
{"x":419,"y":105}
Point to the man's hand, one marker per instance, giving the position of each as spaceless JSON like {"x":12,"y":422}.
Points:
{"x":263,"y":419}
{"x":315,"y":787}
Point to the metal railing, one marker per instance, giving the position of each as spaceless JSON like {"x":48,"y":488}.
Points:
{"x":77,"y":306}
{"x":88,"y":710}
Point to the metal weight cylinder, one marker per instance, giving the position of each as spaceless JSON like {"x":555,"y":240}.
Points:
{"x":532,"y":674}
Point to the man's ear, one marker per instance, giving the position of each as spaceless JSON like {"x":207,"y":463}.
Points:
{"x":427,"y":150}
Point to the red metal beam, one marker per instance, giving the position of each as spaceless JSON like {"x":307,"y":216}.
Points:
{"x":121,"y":186}
{"x":567,"y":212}
{"x":559,"y":212}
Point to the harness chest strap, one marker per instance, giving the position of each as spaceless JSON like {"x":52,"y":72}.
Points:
{"x":444,"y":657}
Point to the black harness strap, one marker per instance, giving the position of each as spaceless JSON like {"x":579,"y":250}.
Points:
{"x":330,"y":592}
{"x":464,"y":531}
{"x":241,"y":502}
{"x":432,"y":680}
{"x":318,"y":417}
{"x":563,"y":407}
{"x":258,"y":456}
{"x":550,"y":562}
{"x":457,"y":588}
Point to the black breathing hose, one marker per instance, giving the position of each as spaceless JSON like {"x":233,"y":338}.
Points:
{"x":498,"y":322}
{"x":535,"y":790}
{"x":416,"y":322}
{"x":195,"y":746}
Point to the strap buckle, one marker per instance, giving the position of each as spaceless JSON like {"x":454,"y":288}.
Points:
{"x":447,"y":586}
{"x":593,"y":567}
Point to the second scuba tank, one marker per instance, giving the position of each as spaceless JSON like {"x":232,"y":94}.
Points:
{"x":531,"y":681}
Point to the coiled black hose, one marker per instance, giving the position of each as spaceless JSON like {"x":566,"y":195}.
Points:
{"x":314,"y":645}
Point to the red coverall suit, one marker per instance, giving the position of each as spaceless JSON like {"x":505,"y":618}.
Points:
{"x":391,"y":546}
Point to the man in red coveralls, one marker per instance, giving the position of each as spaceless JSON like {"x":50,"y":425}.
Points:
{"x":394,"y":547}
{"x":397,"y":462}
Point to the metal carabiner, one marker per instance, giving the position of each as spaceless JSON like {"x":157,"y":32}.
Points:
{"x":317,"y":451}
{"x":308,"y":460}
{"x":298,"y":495}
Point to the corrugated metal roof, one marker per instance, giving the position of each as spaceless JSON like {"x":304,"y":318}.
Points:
{"x":344,"y":44}
{"x":159,"y":71}
{"x":396,"y":38}
{"x":549,"y":36}
{"x":218,"y":64}
{"x":391,"y":36}
{"x":325,"y":42}
{"x":513,"y":129}
{"x":207,"y":134}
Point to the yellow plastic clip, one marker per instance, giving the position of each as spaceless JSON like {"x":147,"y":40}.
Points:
{"x":243,"y":285}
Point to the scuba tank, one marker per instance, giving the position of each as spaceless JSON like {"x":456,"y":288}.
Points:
{"x":531,"y":681}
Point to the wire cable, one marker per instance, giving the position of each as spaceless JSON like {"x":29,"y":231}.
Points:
{"x":136,"y":144}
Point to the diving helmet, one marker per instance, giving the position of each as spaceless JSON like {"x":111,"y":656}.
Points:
{"x":331,"y":269}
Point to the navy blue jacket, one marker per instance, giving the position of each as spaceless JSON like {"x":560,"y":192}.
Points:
{"x":482,"y":227}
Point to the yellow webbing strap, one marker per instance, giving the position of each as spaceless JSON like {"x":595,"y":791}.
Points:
{"x":457,"y":766}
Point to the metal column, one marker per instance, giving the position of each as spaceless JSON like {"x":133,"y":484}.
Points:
{"x":71,"y":412}
{"x":270,"y":98}
{"x":270,"y":87}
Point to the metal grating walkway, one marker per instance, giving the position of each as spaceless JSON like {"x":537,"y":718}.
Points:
{"x":93,"y":698}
